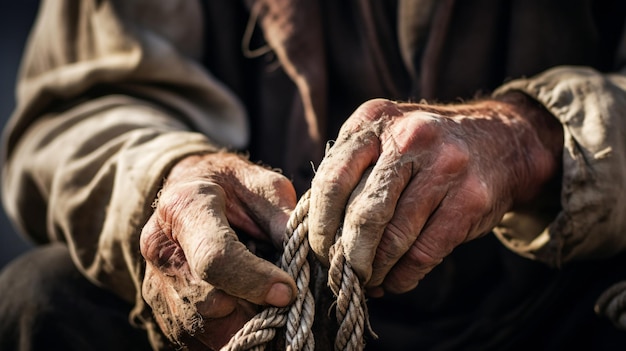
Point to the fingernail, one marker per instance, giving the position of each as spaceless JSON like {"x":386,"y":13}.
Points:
{"x":279,"y":295}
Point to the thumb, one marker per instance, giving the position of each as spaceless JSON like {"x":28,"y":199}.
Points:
{"x":232,"y":268}
{"x":215,"y":255}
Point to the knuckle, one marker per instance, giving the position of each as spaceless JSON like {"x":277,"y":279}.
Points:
{"x":208,"y":259}
{"x":149,"y":246}
{"x":217,"y":260}
{"x":425,"y":253}
{"x":393,"y":244}
{"x":366,"y":224}
{"x":419,"y":132}
{"x":453,"y":158}
{"x":328,"y":182}
{"x":415,"y":264}
{"x":279,"y":182}
{"x":203,"y":188}
{"x":161,"y":252}
{"x":477,"y":196}
{"x":376,"y":108}
{"x":147,"y":239}
{"x":180,"y":203}
{"x":370,"y":111}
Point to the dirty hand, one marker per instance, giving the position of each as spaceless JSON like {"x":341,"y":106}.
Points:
{"x":409,"y":182}
{"x":201,"y":282}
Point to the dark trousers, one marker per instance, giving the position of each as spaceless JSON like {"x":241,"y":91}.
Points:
{"x":486,"y":298}
{"x":46,"y":304}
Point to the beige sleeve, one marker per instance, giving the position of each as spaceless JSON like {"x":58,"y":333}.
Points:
{"x":110,"y":95}
{"x":590,"y":222}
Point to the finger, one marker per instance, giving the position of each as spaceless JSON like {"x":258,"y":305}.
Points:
{"x":217,"y":332}
{"x":336,"y":178}
{"x":166,"y":265}
{"x":421,"y":197}
{"x":417,"y":202}
{"x":158,"y":249}
{"x":369,"y":211}
{"x":447,"y":228}
{"x":215,"y":255}
{"x":267,"y":199}
{"x":410,"y":144}
{"x":356,"y":149}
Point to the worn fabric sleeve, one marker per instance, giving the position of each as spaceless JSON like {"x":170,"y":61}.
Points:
{"x":110,"y":96}
{"x":591,"y":107}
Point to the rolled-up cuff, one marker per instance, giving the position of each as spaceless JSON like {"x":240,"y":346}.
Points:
{"x":591,"y":222}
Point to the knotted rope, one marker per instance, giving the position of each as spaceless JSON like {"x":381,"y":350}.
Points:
{"x":350,"y":306}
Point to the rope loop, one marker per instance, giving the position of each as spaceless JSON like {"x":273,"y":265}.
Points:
{"x":297,"y":319}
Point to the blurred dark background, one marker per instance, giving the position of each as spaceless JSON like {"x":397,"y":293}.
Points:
{"x":16,"y":18}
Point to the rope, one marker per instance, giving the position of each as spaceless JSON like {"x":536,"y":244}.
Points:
{"x":351,"y":308}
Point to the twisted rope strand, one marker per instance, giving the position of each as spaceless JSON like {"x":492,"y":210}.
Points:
{"x":299,"y":335}
{"x":351,"y":308}
{"x":261,"y":329}
{"x":350,"y":305}
{"x":258,"y":331}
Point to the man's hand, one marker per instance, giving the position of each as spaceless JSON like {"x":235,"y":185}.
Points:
{"x":409,"y":182}
{"x":202,"y":283}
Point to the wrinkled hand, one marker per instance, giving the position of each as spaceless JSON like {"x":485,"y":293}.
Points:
{"x":418,"y":180}
{"x":201,"y":282}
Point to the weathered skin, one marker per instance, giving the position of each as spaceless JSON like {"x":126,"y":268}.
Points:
{"x":418,"y":180}
{"x":409,"y":182}
{"x":201,"y":282}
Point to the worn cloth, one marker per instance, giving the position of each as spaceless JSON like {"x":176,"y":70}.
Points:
{"x":52,"y":306}
{"x":112,"y":93}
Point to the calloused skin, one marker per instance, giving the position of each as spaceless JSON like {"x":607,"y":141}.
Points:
{"x":201,"y":282}
{"x":418,"y":180}
{"x":415,"y":181}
